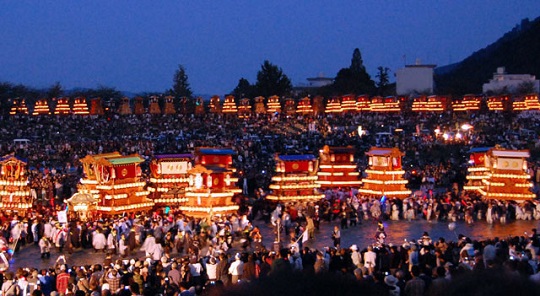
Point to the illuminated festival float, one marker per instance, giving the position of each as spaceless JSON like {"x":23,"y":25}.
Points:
{"x":363,"y":104}
{"x":295,"y":179}
{"x":290,"y":107}
{"x":41,"y":107}
{"x":124,"y":109}
{"x":348,"y":104}
{"x":477,"y":171}
{"x":527,"y":103}
{"x":199,"y":106}
{"x":388,"y":104}
{"x":80,"y":107}
{"x":14,"y":189}
{"x":333,"y":106}
{"x":169,"y":106}
{"x":96,"y":107}
{"x":19,"y":107}
{"x":507,"y":178}
{"x":244,"y":110}
{"x":498,"y":103}
{"x":229,"y":105}
{"x":62,"y":107}
{"x":215,"y":105}
{"x":274,"y":105}
{"x":115,"y":182}
{"x":259,"y":105}
{"x":318,"y":105}
{"x":138,"y":108}
{"x":385,"y":174}
{"x":154,"y":108}
{"x":337,"y":168}
{"x":468,"y":103}
{"x":169,"y":178}
{"x":429,"y":104}
{"x":304,"y":106}
{"x":211,"y":184}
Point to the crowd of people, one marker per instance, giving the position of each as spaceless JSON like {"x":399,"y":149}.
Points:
{"x":187,"y":256}
{"x":171,"y":254}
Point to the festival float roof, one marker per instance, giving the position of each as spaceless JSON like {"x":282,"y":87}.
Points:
{"x":211,"y":184}
{"x":169,"y":178}
{"x":337,"y":168}
{"x":14,"y":188}
{"x":295,"y":179}
{"x":115,"y":181}
{"x":385,"y":174}
{"x":507,"y":177}
{"x":477,"y":170}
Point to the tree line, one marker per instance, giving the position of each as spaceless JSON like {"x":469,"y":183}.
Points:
{"x":271,"y":80}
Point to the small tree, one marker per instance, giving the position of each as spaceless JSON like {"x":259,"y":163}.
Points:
{"x":181,"y":86}
{"x":383,"y":80}
{"x":55,"y":91}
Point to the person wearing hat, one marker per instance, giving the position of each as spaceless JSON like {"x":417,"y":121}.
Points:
{"x":356,"y":257}
{"x":45,"y":247}
{"x":391,"y":283}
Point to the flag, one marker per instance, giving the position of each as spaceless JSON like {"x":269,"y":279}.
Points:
{"x":305,"y":236}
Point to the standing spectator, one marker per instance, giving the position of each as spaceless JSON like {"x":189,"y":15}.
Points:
{"x":45,"y":247}
{"x":336,"y":237}
{"x":415,"y":286}
{"x":62,"y":281}
{"x":222,"y":269}
{"x":236,"y":269}
{"x":10,"y":287}
{"x":370,"y":257}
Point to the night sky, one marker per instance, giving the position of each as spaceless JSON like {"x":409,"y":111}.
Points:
{"x":137,"y":45}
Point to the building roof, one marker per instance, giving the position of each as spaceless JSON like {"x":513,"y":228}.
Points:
{"x":216,"y":151}
{"x":125,"y":160}
{"x":11,"y":157}
{"x":377,"y":151}
{"x":339,"y":150}
{"x":479,"y":149}
{"x":173,"y":156}
{"x":421,"y":66}
{"x":511,"y":153}
{"x":302,"y":157}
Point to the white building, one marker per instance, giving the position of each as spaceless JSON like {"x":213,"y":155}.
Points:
{"x":509,"y":82}
{"x":416,"y":78}
{"x":313,"y":84}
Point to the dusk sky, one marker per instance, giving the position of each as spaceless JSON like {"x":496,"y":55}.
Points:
{"x":136,"y":46}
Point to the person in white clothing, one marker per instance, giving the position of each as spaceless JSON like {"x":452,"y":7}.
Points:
{"x":356,"y":257}
{"x":99,"y":241}
{"x":236,"y":269}
{"x":369,"y":259}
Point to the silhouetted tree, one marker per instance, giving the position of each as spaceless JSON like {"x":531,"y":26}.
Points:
{"x":354,"y":79}
{"x":382,"y":80}
{"x":525,"y":88}
{"x":55,"y":91}
{"x":181,"y":86}
{"x":244,"y":89}
{"x":272,"y":81}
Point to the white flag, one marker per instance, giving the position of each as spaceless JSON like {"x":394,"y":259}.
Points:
{"x":305,"y":236}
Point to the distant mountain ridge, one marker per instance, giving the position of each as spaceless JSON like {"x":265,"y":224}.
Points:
{"x":518,"y":51}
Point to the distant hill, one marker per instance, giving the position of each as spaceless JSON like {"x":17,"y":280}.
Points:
{"x":518,"y":51}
